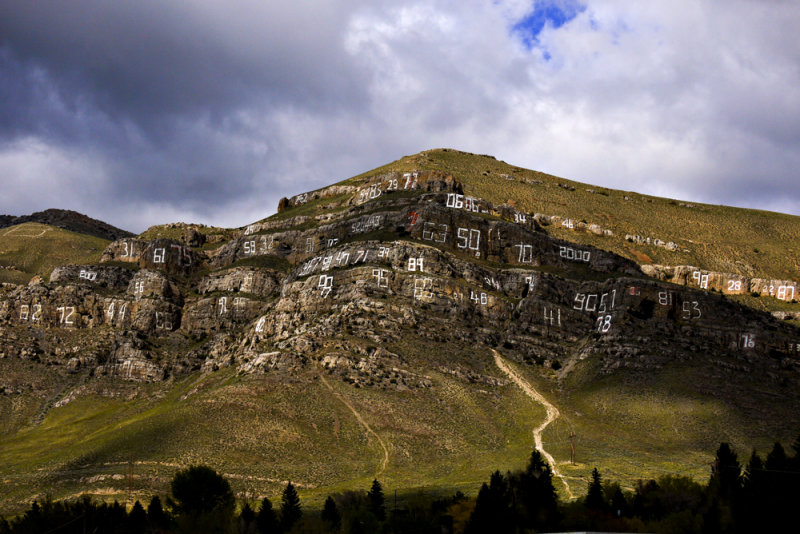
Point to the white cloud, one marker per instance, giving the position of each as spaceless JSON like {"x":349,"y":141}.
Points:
{"x":683,"y":99}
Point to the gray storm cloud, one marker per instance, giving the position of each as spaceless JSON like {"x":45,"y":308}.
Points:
{"x":147,"y":112}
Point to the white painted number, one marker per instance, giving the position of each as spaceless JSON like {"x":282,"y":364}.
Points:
{"x":434,"y":232}
{"x":574,"y":255}
{"x":734,"y":285}
{"x":361,"y":256}
{"x":457,"y":201}
{"x":88,"y":275}
{"x":525,"y":253}
{"x":66,"y":314}
{"x":162,"y":323}
{"x":603,"y":301}
{"x":589,"y":302}
{"x":701,"y":279}
{"x":691,"y":310}
{"x":786,"y":292}
{"x":552,"y":318}
{"x":479,"y":298}
{"x":325,"y":285}
{"x":531,"y":281}
{"x":415,"y":264}
{"x":603,"y":324}
{"x":469,"y":239}
{"x":423,"y":288}
{"x":342,"y":258}
{"x":381,"y":276}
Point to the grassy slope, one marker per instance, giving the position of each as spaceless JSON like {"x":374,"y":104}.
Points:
{"x":264,"y":430}
{"x":35,"y":249}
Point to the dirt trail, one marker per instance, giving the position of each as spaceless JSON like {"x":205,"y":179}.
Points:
{"x":552,"y":415}
{"x":368,"y":428}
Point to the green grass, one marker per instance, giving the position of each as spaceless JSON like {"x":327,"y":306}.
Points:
{"x":264,"y":430}
{"x":36,"y":249}
{"x":170,"y":231}
{"x":638,"y":425}
{"x":269,"y":261}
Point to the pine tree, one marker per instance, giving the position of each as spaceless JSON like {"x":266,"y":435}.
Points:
{"x":535,"y":495}
{"x":795,"y":461}
{"x":594,"y":497}
{"x":156,"y":516}
{"x":619,"y":504}
{"x":199,"y":490}
{"x":267,"y":520}
{"x":724,"y":491}
{"x":780,"y":487}
{"x":726,"y":474}
{"x":330,"y":514}
{"x":137,"y":519}
{"x":247,"y":519}
{"x":290,"y":508}
{"x":492,"y":511}
{"x":376,"y":500}
{"x":754,"y":492}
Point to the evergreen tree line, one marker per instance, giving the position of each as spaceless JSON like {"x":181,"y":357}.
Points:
{"x":756,"y":497}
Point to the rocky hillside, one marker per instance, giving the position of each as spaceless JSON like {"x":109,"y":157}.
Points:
{"x":351,"y":335}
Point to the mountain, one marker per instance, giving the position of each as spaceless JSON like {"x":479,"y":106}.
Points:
{"x":419,"y":323}
{"x":68,"y":220}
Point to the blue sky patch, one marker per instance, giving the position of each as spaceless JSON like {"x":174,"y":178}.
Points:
{"x":553,"y":12}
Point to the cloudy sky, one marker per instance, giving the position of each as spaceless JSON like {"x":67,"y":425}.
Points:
{"x":143,"y":112}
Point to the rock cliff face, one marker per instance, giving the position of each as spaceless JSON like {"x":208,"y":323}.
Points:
{"x":393,"y":255}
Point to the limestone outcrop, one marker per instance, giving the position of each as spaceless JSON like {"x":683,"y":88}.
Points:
{"x":392,"y":256}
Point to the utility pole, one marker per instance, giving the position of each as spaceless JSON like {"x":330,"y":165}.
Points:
{"x":130,"y":481}
{"x":572,"y":447}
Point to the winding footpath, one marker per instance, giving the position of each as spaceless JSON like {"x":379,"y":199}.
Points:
{"x":363,"y":423}
{"x":552,"y":415}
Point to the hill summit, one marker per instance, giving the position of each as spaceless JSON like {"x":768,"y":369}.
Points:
{"x":68,"y":220}
{"x":426,"y":322}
